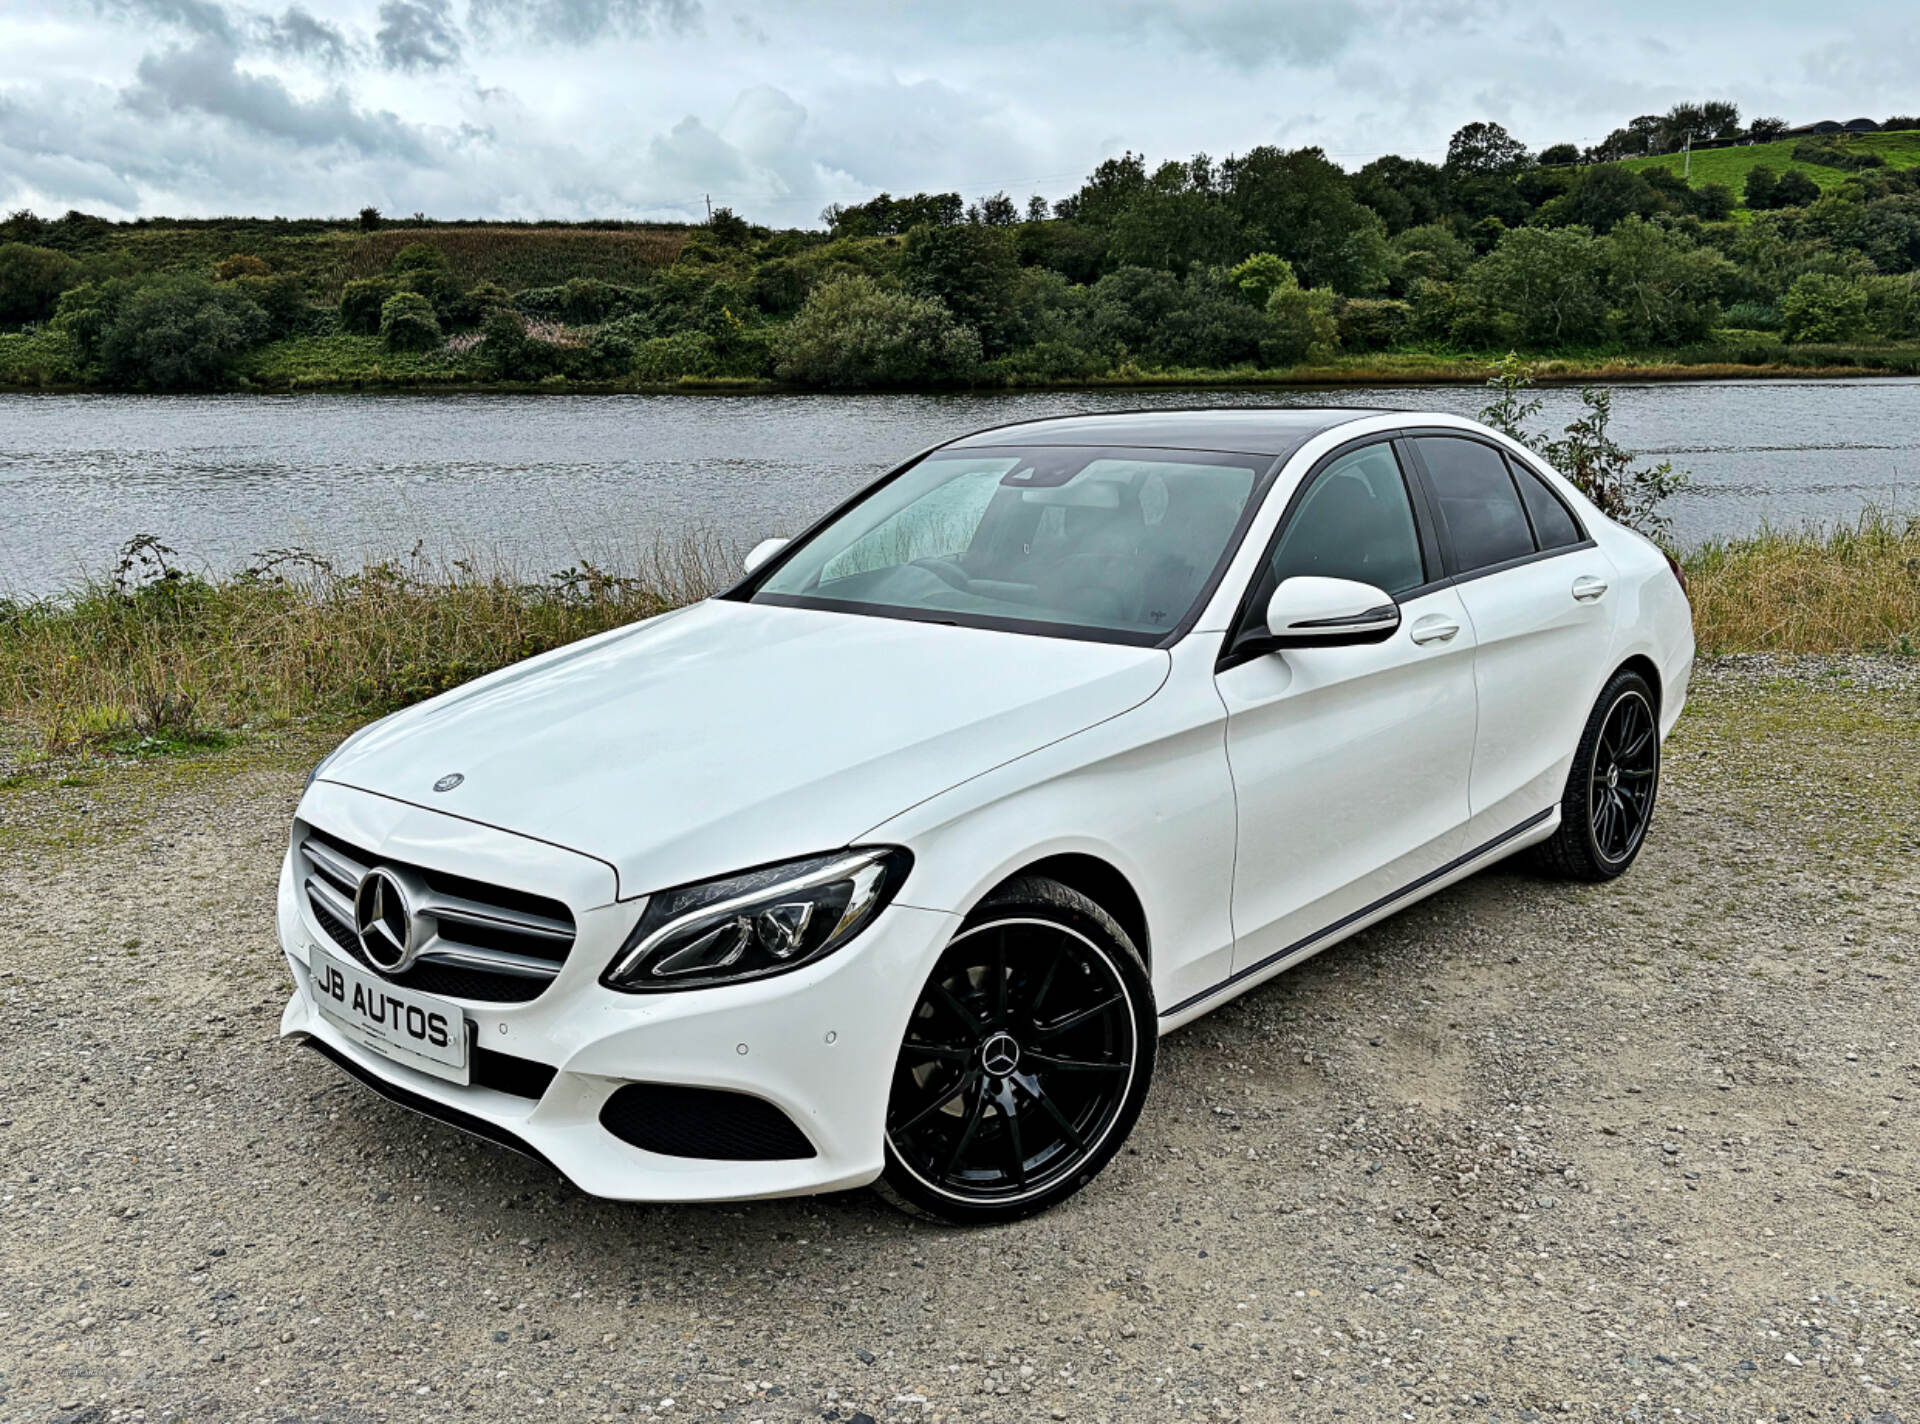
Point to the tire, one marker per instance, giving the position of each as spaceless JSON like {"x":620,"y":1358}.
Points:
{"x":1612,"y":786}
{"x":1025,"y":1061}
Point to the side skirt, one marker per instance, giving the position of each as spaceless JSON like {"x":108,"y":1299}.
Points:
{"x":1321,"y":938}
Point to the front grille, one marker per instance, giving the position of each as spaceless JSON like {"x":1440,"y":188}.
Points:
{"x":702,"y":1122}
{"x":483,"y":943}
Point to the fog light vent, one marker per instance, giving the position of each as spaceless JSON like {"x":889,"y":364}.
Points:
{"x":708,"y":1123}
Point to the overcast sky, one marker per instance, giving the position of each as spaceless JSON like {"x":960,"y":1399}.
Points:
{"x":639,"y":108}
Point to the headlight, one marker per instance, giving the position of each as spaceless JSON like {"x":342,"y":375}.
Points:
{"x":756,"y":924}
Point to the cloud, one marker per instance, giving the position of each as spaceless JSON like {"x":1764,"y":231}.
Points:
{"x":1250,"y":34}
{"x":417,"y":35}
{"x":199,"y":17}
{"x":298,"y":35}
{"x":203,"y":78}
{"x":579,"y":22}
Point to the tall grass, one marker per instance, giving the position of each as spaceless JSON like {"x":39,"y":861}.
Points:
{"x":150,"y":657}
{"x":1854,"y":588}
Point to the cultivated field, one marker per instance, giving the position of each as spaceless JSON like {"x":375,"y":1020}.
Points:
{"x":1629,"y":1152}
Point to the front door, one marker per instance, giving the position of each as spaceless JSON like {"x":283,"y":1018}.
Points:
{"x":1350,"y":765}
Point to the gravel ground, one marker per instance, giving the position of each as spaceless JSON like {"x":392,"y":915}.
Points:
{"x":1625,"y":1152}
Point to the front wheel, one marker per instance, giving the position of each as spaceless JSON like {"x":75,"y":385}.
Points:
{"x":1025,"y":1061}
{"x":1615,"y":779}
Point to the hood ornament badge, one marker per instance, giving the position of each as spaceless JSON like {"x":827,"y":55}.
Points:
{"x":449,"y":781}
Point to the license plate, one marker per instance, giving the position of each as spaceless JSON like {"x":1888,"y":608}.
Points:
{"x":413,"y":1029}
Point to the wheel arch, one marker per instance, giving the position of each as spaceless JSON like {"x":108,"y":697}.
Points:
{"x":1101,"y":882}
{"x":1648,"y":669}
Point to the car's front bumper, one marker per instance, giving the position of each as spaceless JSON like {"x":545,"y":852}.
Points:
{"x":819,"y":1044}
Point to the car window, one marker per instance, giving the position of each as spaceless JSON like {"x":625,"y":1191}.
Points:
{"x":1553,"y":524}
{"x":1354,"y":522}
{"x":1478,"y":503}
{"x":1078,"y":540}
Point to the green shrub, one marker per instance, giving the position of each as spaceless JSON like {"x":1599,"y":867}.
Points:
{"x":241,"y":264}
{"x":779,"y":286}
{"x":1436,"y":308}
{"x":47,"y":357}
{"x":1304,"y":327}
{"x":587,"y":301}
{"x":1048,"y":361}
{"x":31,"y":281}
{"x":441,"y":289}
{"x":1831,"y":153}
{"x":1431,"y":252}
{"x":668,"y":358}
{"x":1893,"y":306}
{"x":514,"y":353}
{"x":1538,"y":287}
{"x":361,"y":303}
{"x":418,"y":257}
{"x":1713,"y":202}
{"x":1753,"y":316}
{"x":1370,"y":324}
{"x":1662,"y":288}
{"x":283,"y":298}
{"x":407,"y":323}
{"x":1795,"y":190}
{"x":853,"y":333}
{"x":1204,"y":322}
{"x":1261,"y":275}
{"x":180,"y":333}
{"x":1822,"y":307}
{"x":462,"y":311}
{"x":971,"y":269}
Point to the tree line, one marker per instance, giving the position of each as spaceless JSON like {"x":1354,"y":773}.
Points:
{"x":1268,"y":259}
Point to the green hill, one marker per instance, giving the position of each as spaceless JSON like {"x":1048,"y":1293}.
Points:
{"x":1731,"y":165}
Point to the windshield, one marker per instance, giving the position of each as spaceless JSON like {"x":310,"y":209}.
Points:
{"x":1108,"y":543}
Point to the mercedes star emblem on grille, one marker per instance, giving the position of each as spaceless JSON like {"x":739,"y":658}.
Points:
{"x":384,"y":921}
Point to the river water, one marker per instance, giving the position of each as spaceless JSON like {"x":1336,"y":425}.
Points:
{"x":544,"y":481}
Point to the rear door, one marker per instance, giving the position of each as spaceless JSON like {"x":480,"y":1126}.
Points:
{"x":1350,"y":765}
{"x":1538,"y":592}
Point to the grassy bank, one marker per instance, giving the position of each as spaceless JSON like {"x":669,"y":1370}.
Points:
{"x":344,"y":362}
{"x":155,"y":660}
{"x":1852,"y":589}
{"x":1899,"y":149}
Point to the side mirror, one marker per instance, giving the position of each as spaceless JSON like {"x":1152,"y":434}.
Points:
{"x":1308,"y":612}
{"x":763,"y":551}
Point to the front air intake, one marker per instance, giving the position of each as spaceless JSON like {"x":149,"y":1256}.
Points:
{"x":702,"y":1122}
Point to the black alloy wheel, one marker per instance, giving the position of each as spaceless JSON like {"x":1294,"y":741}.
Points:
{"x":1612,"y":787}
{"x":1620,"y":781}
{"x":1025,"y":1060}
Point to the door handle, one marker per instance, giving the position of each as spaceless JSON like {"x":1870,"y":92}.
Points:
{"x":1435,"y":628}
{"x":1586,"y":588}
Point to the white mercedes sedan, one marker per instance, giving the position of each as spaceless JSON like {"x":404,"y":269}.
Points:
{"x":891,"y":863}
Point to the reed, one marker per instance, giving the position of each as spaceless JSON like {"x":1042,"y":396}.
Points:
{"x":1852,"y":588}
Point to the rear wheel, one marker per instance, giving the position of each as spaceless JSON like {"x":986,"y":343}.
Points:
{"x":1025,"y":1061}
{"x":1615,"y":779}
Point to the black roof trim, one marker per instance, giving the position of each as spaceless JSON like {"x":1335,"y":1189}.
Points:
{"x":1227,"y":429}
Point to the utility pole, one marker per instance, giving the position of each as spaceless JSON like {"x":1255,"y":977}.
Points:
{"x":709,"y":210}
{"x":1686,"y":161}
